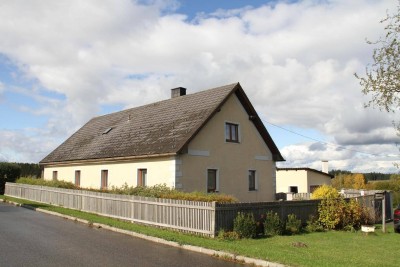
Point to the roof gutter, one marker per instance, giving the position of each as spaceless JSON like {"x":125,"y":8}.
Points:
{"x":105,"y":160}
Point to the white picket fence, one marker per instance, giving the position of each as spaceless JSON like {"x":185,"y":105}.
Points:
{"x":204,"y":218}
{"x":188,"y":216}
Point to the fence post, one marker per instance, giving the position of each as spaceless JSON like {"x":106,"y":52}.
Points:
{"x":384,"y":213}
{"x":213,"y":218}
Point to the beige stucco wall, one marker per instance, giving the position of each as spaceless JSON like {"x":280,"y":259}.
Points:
{"x":159,"y":171}
{"x":209,"y":150}
{"x":303,"y":179}
{"x":318,"y":179}
{"x":287,"y":178}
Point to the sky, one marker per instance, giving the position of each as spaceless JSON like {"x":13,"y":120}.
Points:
{"x":64,"y":62}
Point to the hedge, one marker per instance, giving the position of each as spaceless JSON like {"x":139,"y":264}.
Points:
{"x":9,"y":172}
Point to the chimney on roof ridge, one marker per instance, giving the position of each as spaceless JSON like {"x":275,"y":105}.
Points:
{"x":179,"y":91}
{"x":325,"y":166}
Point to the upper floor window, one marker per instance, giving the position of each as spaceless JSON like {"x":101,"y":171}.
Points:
{"x":231,"y":132}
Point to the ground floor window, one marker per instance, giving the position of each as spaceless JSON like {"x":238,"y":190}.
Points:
{"x":78,"y":178}
{"x":55,"y":175}
{"x":252,"y":180}
{"x":212,"y":181}
{"x":104,"y":179}
{"x":294,"y":189}
{"x":142,"y":177}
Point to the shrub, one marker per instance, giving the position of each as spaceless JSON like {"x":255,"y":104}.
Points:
{"x":357,"y":215}
{"x":152,"y":191}
{"x":273,"y":225}
{"x":245,"y":225}
{"x":367,"y":216}
{"x":228,"y":235}
{"x":9,"y":172}
{"x":260,"y":225}
{"x":352,"y":215}
{"x":313,"y":225}
{"x":293,"y":225}
{"x":396,"y":198}
{"x":338,"y":214}
{"x":156,"y":191}
{"x":50,"y":183}
{"x":330,"y":212}
{"x":163,"y":191}
{"x":324,"y":192}
{"x":199,"y":196}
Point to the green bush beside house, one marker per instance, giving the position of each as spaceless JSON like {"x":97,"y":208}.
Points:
{"x":156,"y":191}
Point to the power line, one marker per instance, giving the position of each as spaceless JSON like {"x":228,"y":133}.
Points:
{"x":326,"y":143}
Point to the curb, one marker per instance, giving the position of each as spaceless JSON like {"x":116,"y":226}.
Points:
{"x":214,"y":253}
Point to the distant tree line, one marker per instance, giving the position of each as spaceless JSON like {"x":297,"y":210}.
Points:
{"x":349,"y":181}
{"x":369,"y":176}
{"x":369,"y":181}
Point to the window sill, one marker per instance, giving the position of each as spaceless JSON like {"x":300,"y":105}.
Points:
{"x":232,"y":142}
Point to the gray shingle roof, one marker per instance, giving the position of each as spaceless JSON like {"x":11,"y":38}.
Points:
{"x":161,"y":128}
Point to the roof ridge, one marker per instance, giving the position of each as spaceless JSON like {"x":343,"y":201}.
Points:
{"x":167,"y":100}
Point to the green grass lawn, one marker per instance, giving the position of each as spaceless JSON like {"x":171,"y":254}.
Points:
{"x":323,"y":249}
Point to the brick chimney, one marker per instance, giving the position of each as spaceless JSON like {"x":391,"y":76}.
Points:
{"x":179,"y":91}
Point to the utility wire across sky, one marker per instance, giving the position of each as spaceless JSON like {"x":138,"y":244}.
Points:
{"x":330,"y":144}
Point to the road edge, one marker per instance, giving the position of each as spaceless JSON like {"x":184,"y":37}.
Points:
{"x":206,"y":251}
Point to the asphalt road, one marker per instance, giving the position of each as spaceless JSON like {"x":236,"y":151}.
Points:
{"x":29,"y":238}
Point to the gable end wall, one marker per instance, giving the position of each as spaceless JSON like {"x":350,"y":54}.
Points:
{"x":232,"y":160}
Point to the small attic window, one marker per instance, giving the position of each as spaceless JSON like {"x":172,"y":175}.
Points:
{"x":107,"y":130}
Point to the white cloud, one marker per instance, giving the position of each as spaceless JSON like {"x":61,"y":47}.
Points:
{"x":374,"y":158}
{"x":295,"y":60}
{"x":25,"y":145}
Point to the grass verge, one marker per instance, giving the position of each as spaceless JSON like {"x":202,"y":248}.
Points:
{"x":322,"y":249}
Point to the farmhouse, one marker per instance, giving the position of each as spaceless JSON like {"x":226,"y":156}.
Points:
{"x":300,"y":180}
{"x":210,"y":141}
